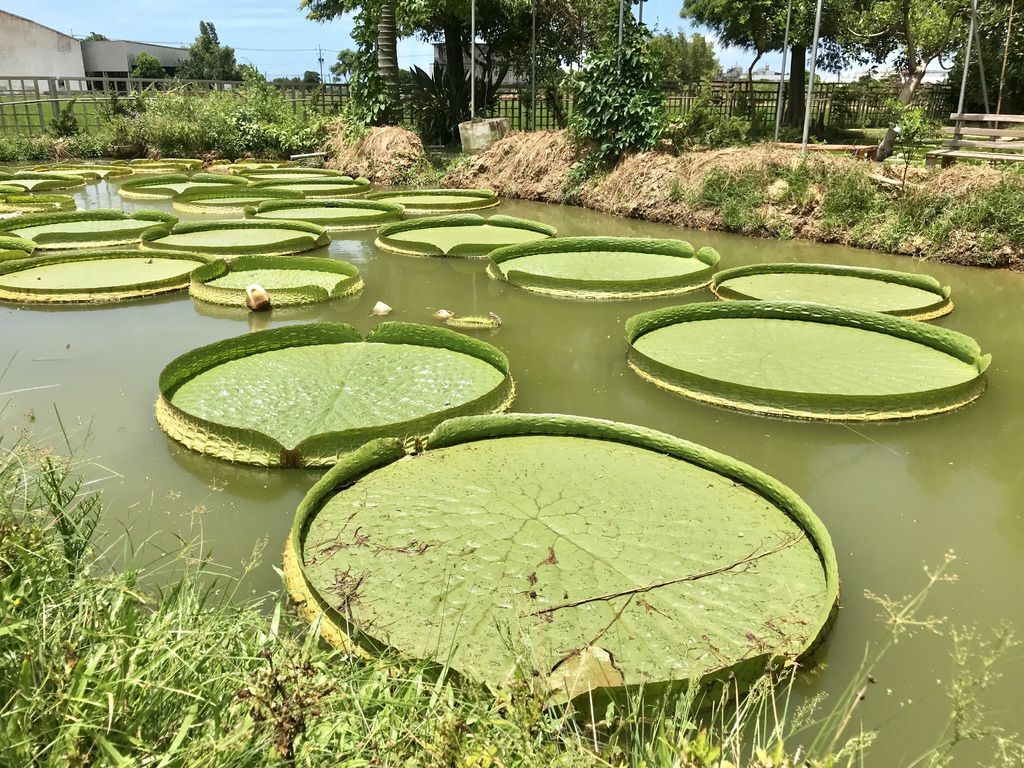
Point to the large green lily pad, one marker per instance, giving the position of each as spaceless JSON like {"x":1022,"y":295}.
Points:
{"x":292,"y":173}
{"x":303,"y":395}
{"x":334,"y":215}
{"x":917,"y":297}
{"x":593,"y":554}
{"x":604,"y":267}
{"x":165,"y":165}
{"x":318,"y":187}
{"x":288,"y":280}
{"x":173,"y":184}
{"x":33,"y":181}
{"x":466,"y":234}
{"x":243,"y":165}
{"x":87,"y":170}
{"x":806,"y":360}
{"x":427,"y":201}
{"x":228,"y":200}
{"x":235,"y":238}
{"x":99,"y":228}
{"x":98,"y":276}
{"x":18,"y":202}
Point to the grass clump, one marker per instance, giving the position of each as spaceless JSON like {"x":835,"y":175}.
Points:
{"x":100,"y":666}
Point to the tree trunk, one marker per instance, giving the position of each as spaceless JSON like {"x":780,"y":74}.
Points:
{"x":906,"y":95}
{"x":387,"y":49}
{"x":454,"y":47}
{"x":797,"y":86}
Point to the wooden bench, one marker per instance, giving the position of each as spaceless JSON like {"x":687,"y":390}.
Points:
{"x":972,"y":137}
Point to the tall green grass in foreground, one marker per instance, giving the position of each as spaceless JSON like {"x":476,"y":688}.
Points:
{"x":98,"y":669}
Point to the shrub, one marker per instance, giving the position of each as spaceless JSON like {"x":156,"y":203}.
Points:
{"x":618,"y":105}
{"x":66,"y":122}
{"x":704,"y":127}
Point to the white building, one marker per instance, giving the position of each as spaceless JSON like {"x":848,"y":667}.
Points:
{"x":34,"y":52}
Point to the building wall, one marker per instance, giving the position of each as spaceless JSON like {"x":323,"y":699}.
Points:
{"x":27,"y":48}
{"x":118,"y":56}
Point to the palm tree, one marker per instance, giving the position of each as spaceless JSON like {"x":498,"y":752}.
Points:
{"x":387,"y":47}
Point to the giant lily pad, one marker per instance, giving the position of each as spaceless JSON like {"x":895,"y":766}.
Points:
{"x":466,"y":234}
{"x":604,"y":267}
{"x":100,"y":228}
{"x":303,"y":395}
{"x":806,"y":360}
{"x":918,"y":297}
{"x":318,"y":187}
{"x":244,"y":165}
{"x":333,"y":215}
{"x":292,"y":173}
{"x":228,"y":200}
{"x":97,"y":276}
{"x":235,"y":238}
{"x":590,"y":553}
{"x":427,"y":201}
{"x":15,"y":248}
{"x":33,"y":181}
{"x":87,"y":170}
{"x":18,"y":202}
{"x":165,"y":165}
{"x":163,"y":186}
{"x":288,"y":280}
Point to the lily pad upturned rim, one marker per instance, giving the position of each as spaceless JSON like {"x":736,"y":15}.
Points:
{"x":328,"y":173}
{"x":99,"y":294}
{"x":249,"y":446}
{"x":465,"y":250}
{"x":22,"y":202}
{"x":341,"y":632}
{"x":378,"y":213}
{"x":942,"y":305}
{"x":332,"y":186}
{"x":145,"y":164}
{"x":13,"y":248}
{"x":581,"y":288}
{"x":54,"y":241}
{"x":101,"y":170}
{"x":462,"y":199}
{"x":294,"y":245}
{"x":830,"y":407}
{"x":200,"y":288}
{"x":204,"y":200}
{"x":154,"y":187}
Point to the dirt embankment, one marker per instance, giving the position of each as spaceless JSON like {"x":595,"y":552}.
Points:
{"x":663,"y":186}
{"x":389,"y":155}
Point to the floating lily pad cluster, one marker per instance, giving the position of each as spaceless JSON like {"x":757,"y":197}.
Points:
{"x":37,"y":181}
{"x":15,"y":200}
{"x":333,"y":215}
{"x":233,"y":200}
{"x":233,"y":238}
{"x":162,"y":186}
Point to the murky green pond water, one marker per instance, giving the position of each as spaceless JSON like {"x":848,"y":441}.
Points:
{"x":894,"y":496}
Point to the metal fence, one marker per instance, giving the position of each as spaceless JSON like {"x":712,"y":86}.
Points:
{"x":29,"y":104}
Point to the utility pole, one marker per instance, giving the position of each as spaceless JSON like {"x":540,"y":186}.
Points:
{"x":810,"y":80}
{"x":472,"y":59}
{"x":782,"y":74}
{"x":320,"y":53}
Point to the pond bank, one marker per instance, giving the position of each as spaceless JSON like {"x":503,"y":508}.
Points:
{"x":966,"y":214}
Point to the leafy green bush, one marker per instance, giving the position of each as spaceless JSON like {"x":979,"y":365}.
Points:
{"x":618,"y":105}
{"x":20,"y":149}
{"x":439,"y":104}
{"x":254,"y":119}
{"x":65,"y":123}
{"x":704,"y":127}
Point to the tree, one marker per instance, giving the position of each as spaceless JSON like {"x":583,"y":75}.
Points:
{"x":342,"y":68}
{"x":93,"y":36}
{"x":208,"y":59}
{"x":682,"y":59}
{"x":1002,"y":39}
{"x":912,"y":34}
{"x":309,"y":77}
{"x":148,"y":67}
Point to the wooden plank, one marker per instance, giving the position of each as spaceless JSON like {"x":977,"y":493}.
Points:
{"x":965,"y":131}
{"x":1011,"y":146}
{"x":953,"y":154}
{"x":974,"y":117}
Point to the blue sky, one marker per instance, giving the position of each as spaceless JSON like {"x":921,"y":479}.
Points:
{"x":271,"y":34}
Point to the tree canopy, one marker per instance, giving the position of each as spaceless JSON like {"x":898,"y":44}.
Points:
{"x":684,"y":59}
{"x":148,"y":67}
{"x":208,"y":59}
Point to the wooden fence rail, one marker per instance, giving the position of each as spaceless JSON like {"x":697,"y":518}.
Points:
{"x":29,"y":104}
